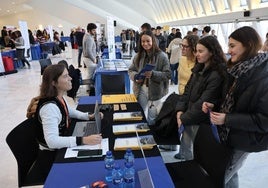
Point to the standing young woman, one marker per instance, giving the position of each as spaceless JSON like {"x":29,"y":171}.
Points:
{"x":206,"y":84}
{"x":243,"y":118}
{"x":20,"y":48}
{"x":53,"y":115}
{"x":150,"y":89}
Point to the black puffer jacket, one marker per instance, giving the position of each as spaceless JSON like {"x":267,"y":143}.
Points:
{"x":248,"y":120}
{"x":204,"y":85}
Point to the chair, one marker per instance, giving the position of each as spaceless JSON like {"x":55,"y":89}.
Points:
{"x":112,"y":84}
{"x":23,"y":144}
{"x":44,"y":63}
{"x":208,"y":167}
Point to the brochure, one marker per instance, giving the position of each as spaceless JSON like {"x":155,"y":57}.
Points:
{"x":148,"y":67}
{"x":127,"y":116}
{"x":130,"y":128}
{"x":135,"y":143}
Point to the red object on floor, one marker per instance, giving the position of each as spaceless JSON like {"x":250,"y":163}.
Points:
{"x":8,"y":63}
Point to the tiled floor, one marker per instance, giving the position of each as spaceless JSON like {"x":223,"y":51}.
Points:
{"x":18,"y":89}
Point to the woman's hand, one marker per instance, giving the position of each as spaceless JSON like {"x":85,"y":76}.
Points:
{"x":92,"y":139}
{"x":206,"y":107}
{"x":179,"y":113}
{"x":217,"y":118}
{"x":92,"y":116}
{"x":148,"y":74}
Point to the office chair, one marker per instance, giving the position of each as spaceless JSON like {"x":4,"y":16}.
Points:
{"x":112,"y":84}
{"x":23,"y":144}
{"x":44,"y":63}
{"x":208,"y":167}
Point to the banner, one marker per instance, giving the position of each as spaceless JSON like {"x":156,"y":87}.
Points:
{"x":110,"y":37}
{"x":2,"y":69}
{"x":25,"y":36}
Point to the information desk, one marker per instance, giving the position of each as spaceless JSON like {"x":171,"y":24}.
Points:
{"x":101,"y":70}
{"x":73,"y":172}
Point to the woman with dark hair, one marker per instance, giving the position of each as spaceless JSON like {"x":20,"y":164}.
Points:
{"x":154,"y":85}
{"x":206,"y":84}
{"x":20,"y":48}
{"x":243,"y":118}
{"x":53,"y":115}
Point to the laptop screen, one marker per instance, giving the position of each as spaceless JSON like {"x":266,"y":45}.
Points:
{"x":97,"y":117}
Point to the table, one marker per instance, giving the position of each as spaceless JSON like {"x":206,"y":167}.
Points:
{"x":36,"y":52}
{"x":100,"y":70}
{"x":74,"y":172}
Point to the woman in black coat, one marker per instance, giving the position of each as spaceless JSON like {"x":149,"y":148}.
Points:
{"x":206,"y":84}
{"x":243,"y":117}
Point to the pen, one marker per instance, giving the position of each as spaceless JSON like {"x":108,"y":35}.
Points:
{"x":81,"y":149}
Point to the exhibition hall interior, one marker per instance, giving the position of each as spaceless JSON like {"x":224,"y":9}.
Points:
{"x":55,"y":34}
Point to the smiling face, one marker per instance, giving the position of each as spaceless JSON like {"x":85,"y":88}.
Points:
{"x":236,"y":49}
{"x":64,"y":82}
{"x":146,"y":42}
{"x":202,"y":54}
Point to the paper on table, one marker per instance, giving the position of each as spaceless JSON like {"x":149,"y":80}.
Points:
{"x":104,"y":146}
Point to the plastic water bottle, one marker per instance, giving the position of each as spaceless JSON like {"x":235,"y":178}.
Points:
{"x":129,"y":176}
{"x":129,"y":157}
{"x":109,"y":166}
{"x":117,"y":177}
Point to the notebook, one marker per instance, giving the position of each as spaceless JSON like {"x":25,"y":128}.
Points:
{"x":85,"y":128}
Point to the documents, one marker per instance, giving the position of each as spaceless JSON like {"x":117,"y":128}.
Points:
{"x":119,"y":98}
{"x":146,"y":142}
{"x":148,"y":67}
{"x":130,"y":128}
{"x":73,"y":151}
{"x":127,"y":116}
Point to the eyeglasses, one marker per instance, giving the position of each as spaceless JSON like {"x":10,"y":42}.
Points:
{"x":184,"y":46}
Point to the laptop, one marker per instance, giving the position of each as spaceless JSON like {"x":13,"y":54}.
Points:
{"x":86,"y":128}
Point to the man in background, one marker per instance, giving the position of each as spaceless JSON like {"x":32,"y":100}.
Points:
{"x":89,"y":49}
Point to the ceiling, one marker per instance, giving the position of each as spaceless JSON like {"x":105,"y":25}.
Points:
{"x":136,"y":12}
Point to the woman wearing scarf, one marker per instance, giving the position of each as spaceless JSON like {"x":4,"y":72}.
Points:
{"x":243,"y":118}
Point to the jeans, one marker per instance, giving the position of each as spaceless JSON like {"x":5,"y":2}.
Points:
{"x":80,"y":50}
{"x":91,"y":67}
{"x":186,"y":147}
{"x":231,"y":176}
{"x":174,"y":73}
{"x":151,"y":108}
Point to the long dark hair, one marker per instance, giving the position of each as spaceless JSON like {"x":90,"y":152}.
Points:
{"x":51,"y":73}
{"x":250,"y":40}
{"x":218,"y":58}
{"x":154,"y":50}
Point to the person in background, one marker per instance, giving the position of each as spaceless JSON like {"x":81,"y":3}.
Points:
{"x":20,"y":48}
{"x":243,"y":117}
{"x":4,"y":35}
{"x":265,"y":45}
{"x":79,"y":40}
{"x":40,"y":37}
{"x":174,"y":49}
{"x":213,"y":33}
{"x":195,"y":31}
{"x":187,"y":62}
{"x":171,"y":36}
{"x":150,"y":89}
{"x":162,"y":43}
{"x":89,"y":50}
{"x":52,"y":117}
{"x":206,"y":31}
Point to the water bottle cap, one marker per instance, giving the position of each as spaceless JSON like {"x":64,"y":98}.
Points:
{"x":129,"y":150}
{"x":128,"y":165}
{"x":116,"y":167}
{"x":109,"y":153}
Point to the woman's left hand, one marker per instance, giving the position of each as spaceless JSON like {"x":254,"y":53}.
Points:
{"x":148,"y":74}
{"x":217,"y":118}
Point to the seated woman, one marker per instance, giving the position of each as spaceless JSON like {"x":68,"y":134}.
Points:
{"x":53,"y":115}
